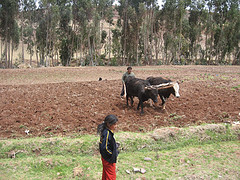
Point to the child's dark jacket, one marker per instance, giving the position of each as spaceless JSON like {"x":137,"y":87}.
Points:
{"x":107,"y":146}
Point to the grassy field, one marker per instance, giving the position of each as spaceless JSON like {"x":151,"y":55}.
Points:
{"x":192,"y":153}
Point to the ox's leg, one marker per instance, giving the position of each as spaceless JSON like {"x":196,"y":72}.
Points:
{"x":131,"y":100}
{"x":127,"y":99}
{"x":140,"y":103}
{"x":141,"y":107}
{"x":163,"y":101}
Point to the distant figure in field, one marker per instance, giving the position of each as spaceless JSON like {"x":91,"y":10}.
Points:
{"x":124,"y":77}
{"x":108,"y":147}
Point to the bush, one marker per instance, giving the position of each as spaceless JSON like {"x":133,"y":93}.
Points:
{"x":113,"y":62}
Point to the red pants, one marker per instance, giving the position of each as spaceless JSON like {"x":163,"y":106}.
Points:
{"x":109,"y":170}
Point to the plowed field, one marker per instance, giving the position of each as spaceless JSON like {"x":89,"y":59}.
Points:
{"x":65,"y":101}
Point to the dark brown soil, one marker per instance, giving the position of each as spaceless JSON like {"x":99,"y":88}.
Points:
{"x":54,"y":107}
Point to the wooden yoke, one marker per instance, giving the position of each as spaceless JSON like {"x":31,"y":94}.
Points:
{"x":164,"y":86}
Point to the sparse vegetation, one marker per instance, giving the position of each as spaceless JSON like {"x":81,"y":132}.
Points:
{"x":22,"y":126}
{"x":175,"y":117}
{"x":236,"y":87}
{"x":180,"y":155}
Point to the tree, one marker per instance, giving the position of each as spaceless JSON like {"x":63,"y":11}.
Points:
{"x":82,"y":13}
{"x":182,"y":32}
{"x":46,"y":32}
{"x":28,"y":30}
{"x":169,"y":20}
{"x":232,"y":31}
{"x":8,"y":27}
{"x":41,"y":33}
{"x":65,"y":33}
{"x":15,"y":40}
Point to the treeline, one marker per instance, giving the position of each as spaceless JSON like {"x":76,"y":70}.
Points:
{"x":132,"y":32}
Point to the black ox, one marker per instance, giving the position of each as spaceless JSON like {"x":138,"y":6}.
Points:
{"x":164,"y":93}
{"x":140,"y":88}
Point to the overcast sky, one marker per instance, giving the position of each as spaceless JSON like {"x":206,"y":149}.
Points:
{"x":160,"y":2}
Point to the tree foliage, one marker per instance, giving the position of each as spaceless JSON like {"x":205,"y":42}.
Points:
{"x":132,"y":32}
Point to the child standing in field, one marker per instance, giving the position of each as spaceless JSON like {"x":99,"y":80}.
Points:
{"x":108,"y":147}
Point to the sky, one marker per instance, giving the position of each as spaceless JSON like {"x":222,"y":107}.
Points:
{"x":160,"y":2}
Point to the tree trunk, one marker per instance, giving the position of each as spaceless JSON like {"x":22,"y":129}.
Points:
{"x":94,"y":48}
{"x":109,"y":37}
{"x":166,"y":52}
{"x":236,"y":60}
{"x":57,"y":57}
{"x":90,"y":48}
{"x":52,"y":58}
{"x":146,"y":40}
{"x":206,"y":47}
{"x":180,"y":35}
{"x":81,"y":51}
{"x":137,"y":49}
{"x":151,"y":33}
{"x":12,"y":55}
{"x":100,"y":31}
{"x":6,"y":62}
{"x":41,"y":58}
{"x":156,"y":49}
{"x":9,"y":54}
{"x":31,"y":57}
{"x":1,"y":49}
{"x":125,"y":33}
{"x":77,"y":52}
{"x":46,"y":63}
{"x":71,"y":47}
{"x":211,"y":47}
{"x":174,"y":53}
{"x":23,"y":60}
{"x":35,"y":47}
{"x":37,"y":57}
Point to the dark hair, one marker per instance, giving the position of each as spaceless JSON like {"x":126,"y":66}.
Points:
{"x":110,"y":119}
{"x":129,"y":68}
